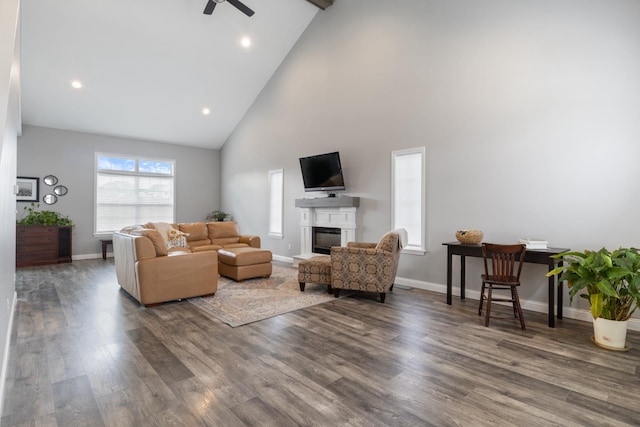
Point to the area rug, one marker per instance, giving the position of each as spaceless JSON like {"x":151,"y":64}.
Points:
{"x":239,"y":303}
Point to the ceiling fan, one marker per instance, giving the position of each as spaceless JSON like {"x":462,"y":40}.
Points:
{"x":211,"y":4}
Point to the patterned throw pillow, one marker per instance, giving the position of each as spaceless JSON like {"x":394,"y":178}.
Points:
{"x":176,"y":239}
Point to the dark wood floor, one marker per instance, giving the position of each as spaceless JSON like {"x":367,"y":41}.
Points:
{"x":84,"y":353}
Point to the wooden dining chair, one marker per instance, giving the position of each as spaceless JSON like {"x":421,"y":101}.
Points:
{"x":502,"y":267}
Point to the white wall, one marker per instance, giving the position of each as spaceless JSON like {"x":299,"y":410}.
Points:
{"x":70,"y":156}
{"x":528,"y":111}
{"x":9,"y":128}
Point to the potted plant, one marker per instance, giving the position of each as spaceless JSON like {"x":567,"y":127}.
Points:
{"x":33,"y":216}
{"x":217,"y":215}
{"x":610,"y":282}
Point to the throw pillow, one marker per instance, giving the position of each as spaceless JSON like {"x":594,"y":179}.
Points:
{"x":163,"y":228}
{"x":156,"y":239}
{"x":177,"y":239}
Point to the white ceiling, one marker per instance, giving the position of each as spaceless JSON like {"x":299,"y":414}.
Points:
{"x":149,"y":66}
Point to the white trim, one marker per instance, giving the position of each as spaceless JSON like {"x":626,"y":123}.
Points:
{"x":273,"y":203}
{"x":285,"y":259}
{"x":537,"y":306}
{"x":421,"y":248}
{"x":7,"y":348}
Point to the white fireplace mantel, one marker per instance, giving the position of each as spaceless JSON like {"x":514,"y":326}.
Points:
{"x":343,"y":218}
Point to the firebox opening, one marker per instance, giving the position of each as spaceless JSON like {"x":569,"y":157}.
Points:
{"x":323,"y":238}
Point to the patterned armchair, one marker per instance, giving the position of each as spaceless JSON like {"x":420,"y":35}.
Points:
{"x":369,"y":267}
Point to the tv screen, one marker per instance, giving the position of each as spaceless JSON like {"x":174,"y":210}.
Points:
{"x":322,"y":172}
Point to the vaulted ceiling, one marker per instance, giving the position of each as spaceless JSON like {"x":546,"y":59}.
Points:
{"x":149,"y":68}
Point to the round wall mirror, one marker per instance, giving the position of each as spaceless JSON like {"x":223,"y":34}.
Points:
{"x":50,"y":180}
{"x":60,"y":190}
{"x":50,"y":199}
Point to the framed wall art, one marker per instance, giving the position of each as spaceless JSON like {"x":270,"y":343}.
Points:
{"x":27,"y":189}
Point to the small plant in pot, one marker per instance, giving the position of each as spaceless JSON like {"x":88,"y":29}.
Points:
{"x":217,"y":215}
{"x":609,"y":281}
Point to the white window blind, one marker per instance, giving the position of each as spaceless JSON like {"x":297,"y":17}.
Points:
{"x":408,"y":196}
{"x":276,"y":187}
{"x":132,"y":191}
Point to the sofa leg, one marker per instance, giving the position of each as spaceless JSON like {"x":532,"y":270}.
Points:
{"x":302,"y":284}
{"x":391,"y":288}
{"x":382,"y":296}
{"x":336,"y":292}
{"x":329,"y":289}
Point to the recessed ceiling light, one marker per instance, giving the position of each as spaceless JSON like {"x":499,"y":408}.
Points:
{"x":76,"y":84}
{"x":206,"y":111}
{"x":245,"y":41}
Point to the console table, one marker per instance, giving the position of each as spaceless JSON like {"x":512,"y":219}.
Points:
{"x":534,"y":256}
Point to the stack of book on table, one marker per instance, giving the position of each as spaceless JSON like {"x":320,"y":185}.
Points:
{"x":535,"y":243}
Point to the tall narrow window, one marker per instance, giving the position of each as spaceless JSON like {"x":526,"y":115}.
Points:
{"x":408,"y":196}
{"x":276,"y":187}
{"x":131,"y":190}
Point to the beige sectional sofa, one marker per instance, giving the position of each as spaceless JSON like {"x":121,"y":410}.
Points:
{"x":152,"y":273}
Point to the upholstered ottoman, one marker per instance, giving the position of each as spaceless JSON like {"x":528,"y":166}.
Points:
{"x":244,"y":263}
{"x":315,"y":270}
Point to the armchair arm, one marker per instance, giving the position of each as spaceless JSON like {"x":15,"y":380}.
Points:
{"x":253,"y":241}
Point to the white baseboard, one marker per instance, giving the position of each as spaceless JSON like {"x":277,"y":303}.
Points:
{"x":283,"y":259}
{"x":5,"y":358}
{"x":537,"y":306}
{"x":90,"y":256}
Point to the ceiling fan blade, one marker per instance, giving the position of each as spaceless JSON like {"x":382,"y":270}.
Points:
{"x":208,"y":9}
{"x":241,"y":7}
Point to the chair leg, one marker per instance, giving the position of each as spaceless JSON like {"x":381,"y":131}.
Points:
{"x":302,"y":284}
{"x":518,"y":308}
{"x":488,"y":313}
{"x":514,"y":295}
{"x":382,"y":296}
{"x":481,"y":299}
{"x":336,"y":292}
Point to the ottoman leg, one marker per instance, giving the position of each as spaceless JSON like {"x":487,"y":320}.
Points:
{"x":336,"y":292}
{"x":302,"y":286}
{"x":329,"y":289}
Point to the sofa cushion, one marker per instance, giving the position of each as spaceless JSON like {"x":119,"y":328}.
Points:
{"x":195,"y":230}
{"x":223,"y":230}
{"x":154,"y":236}
{"x":196,"y":243}
{"x":224,"y":233}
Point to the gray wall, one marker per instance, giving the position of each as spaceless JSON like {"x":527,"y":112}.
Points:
{"x":71,"y":157}
{"x":528,"y":112}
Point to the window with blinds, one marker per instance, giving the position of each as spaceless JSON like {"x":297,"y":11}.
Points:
{"x":408,"y":196}
{"x":276,"y":188}
{"x":131,"y":190}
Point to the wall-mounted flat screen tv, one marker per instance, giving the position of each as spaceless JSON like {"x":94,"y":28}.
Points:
{"x":322,"y":172}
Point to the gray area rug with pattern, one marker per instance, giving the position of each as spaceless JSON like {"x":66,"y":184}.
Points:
{"x":239,"y":303}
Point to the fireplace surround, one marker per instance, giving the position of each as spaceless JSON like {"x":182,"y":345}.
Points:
{"x":337,"y":213}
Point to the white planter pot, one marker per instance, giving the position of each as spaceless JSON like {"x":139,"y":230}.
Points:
{"x":610,"y":334}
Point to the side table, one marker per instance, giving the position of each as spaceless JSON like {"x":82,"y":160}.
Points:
{"x":104,"y":243}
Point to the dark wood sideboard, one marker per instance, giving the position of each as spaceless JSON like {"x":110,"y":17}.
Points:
{"x":42,"y":245}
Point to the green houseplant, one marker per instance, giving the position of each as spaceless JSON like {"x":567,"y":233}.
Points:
{"x":217,"y":215}
{"x":608,"y":280}
{"x":33,"y":216}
